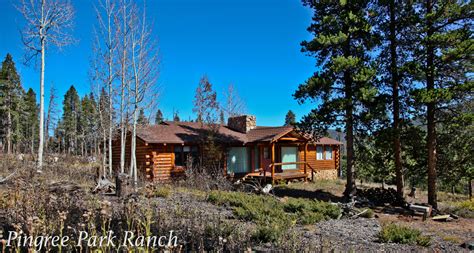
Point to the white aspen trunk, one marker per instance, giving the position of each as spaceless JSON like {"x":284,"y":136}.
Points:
{"x":41,"y":121}
{"x":133,"y":162}
{"x":110,"y":62}
{"x":123,"y":136}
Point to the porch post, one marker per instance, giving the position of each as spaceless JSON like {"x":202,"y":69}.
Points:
{"x":305,"y":151}
{"x":273,"y":163}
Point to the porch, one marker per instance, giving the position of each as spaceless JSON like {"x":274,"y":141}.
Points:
{"x":272,"y":175}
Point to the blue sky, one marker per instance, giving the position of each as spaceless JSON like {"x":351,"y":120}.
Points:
{"x":253,"y":44}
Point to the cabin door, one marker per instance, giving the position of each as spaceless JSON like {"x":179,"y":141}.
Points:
{"x":237,"y":160}
{"x":289,"y":155}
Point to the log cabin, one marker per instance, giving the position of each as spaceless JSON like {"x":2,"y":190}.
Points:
{"x":268,"y":153}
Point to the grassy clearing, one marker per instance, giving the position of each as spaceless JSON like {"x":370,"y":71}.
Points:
{"x":335,"y":187}
{"x":393,"y":233}
{"x":461,"y":208}
{"x":273,"y":217}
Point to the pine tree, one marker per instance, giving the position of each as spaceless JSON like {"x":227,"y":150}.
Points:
{"x":443,"y":64}
{"x":89,"y":123}
{"x":222,"y":117}
{"x":142,"y":119}
{"x":11,"y":93}
{"x":31,"y":120}
{"x":290,"y":118}
{"x":71,"y":119}
{"x":394,"y":21}
{"x":341,"y":45}
{"x":158,"y":117}
{"x":176,"y":117}
{"x":205,"y":102}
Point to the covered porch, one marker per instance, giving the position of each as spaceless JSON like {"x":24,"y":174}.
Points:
{"x":281,"y":157}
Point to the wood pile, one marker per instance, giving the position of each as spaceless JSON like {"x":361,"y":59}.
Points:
{"x":381,"y":196}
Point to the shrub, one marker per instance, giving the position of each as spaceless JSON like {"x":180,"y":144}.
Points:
{"x":368,"y":214}
{"x":311,"y":210}
{"x":267,"y":233}
{"x":162,"y":192}
{"x":393,"y":233}
{"x":462,"y":208}
{"x":268,"y":210}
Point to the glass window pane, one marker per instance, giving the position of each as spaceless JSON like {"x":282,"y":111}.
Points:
{"x":328,"y":153}
{"x":319,"y":153}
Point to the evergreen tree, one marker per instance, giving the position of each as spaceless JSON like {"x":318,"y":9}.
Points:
{"x":290,"y":118}
{"x":176,"y":117}
{"x":158,"y":117}
{"x":205,"y":102}
{"x":341,"y":45}
{"x":89,"y":123}
{"x":11,"y":94}
{"x":443,"y":64}
{"x":394,"y":21}
{"x":142,"y":119}
{"x":31,"y":120}
{"x":222,"y":117}
{"x":71,"y":119}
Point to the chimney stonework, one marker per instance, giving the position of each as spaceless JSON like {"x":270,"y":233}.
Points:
{"x":242,"y":123}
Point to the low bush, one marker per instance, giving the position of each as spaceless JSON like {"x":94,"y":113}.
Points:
{"x":393,"y":233}
{"x":273,"y":217}
{"x":367,"y":214}
{"x":462,"y":208}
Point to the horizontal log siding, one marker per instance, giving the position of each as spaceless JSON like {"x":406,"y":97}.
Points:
{"x":143,"y":155}
{"x":319,"y":164}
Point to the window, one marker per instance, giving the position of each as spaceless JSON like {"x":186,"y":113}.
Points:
{"x":178,"y":156}
{"x":266,"y":153}
{"x":328,"y":153}
{"x":183,"y":153}
{"x":319,"y":152}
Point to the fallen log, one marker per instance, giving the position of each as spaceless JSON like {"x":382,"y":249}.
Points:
{"x":446,"y":217}
{"x":426,"y":210}
{"x":4,"y":179}
{"x":104,"y":186}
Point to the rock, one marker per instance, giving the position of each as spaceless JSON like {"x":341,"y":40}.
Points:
{"x":468,"y":245}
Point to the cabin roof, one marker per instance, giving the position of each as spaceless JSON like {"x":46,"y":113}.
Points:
{"x":188,"y":132}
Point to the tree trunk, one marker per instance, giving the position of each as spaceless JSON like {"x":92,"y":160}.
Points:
{"x":9,"y":130}
{"x":470,"y":188}
{"x":395,"y":101}
{"x":133,"y":160}
{"x":32,"y":139}
{"x":431,"y":107}
{"x":350,"y":190}
{"x":41,"y":112}
{"x":123,"y":136}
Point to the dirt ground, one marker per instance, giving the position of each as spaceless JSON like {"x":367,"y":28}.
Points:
{"x":456,"y":231}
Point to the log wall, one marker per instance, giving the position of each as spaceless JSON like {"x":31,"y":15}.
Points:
{"x":155,"y":162}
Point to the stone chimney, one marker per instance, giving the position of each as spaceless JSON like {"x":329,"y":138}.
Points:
{"x":242,"y":123}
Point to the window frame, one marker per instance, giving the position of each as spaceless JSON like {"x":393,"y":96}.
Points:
{"x":326,"y":152}
{"x":319,"y":148}
{"x":266,"y":153}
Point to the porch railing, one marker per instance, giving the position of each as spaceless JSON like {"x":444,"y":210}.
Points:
{"x":272,"y":167}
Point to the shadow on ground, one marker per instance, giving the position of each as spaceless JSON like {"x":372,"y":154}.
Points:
{"x":300,"y":193}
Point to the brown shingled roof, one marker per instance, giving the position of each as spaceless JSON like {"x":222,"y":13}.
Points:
{"x":267,"y":134}
{"x":185,"y":132}
{"x":328,"y":141}
{"x":188,"y":132}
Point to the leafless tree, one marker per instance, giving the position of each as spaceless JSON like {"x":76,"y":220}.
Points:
{"x":144,"y":56}
{"x":107,"y":44}
{"x":50,"y":115}
{"x":48,"y":22}
{"x":234,"y":105}
{"x":124,"y":24}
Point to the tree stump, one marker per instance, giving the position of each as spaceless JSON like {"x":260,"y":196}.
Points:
{"x":412,"y":193}
{"x":123,"y":185}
